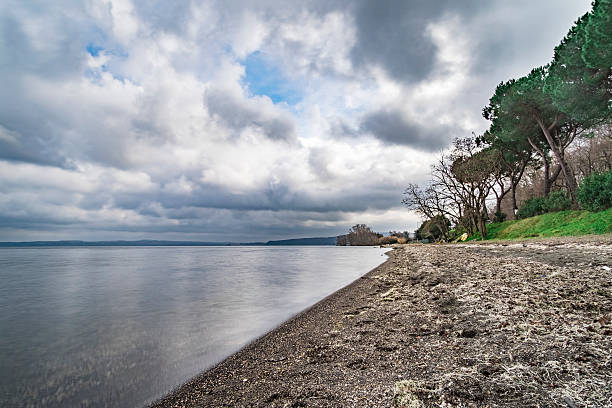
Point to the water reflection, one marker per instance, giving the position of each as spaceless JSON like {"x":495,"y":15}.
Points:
{"x":119,"y":326}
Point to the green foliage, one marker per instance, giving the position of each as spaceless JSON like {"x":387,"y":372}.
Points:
{"x":477,"y":168}
{"x":532,"y":207}
{"x":433,"y":229}
{"x":578,"y":80}
{"x":512,"y":107}
{"x":595,"y":192}
{"x":562,"y":223}
{"x":597,"y":50}
{"x":557,"y":201}
{"x":513,"y":128}
{"x":499,"y":216}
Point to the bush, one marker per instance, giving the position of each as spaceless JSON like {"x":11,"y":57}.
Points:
{"x":531,"y":208}
{"x":557,"y":201}
{"x":595,"y":192}
{"x":499,"y":217}
{"x":433,"y":229}
{"x":388,"y":240}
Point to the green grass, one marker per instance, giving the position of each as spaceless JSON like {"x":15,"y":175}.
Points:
{"x":557,"y":224}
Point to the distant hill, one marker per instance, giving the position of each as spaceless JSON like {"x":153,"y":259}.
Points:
{"x":148,"y":242}
{"x":305,"y":241}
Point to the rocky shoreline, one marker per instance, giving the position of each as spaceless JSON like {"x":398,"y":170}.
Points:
{"x":513,"y":324}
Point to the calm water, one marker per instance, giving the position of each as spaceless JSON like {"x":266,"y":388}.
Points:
{"x":120,"y":326}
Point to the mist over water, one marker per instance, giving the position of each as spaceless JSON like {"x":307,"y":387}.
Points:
{"x":120,"y":326}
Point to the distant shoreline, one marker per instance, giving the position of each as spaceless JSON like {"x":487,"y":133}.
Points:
{"x":78,"y":243}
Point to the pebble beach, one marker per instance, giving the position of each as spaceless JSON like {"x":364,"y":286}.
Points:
{"x":513,"y":324}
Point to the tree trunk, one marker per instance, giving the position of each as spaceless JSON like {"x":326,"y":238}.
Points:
{"x":483,"y":226}
{"x":481,"y":208}
{"x":498,"y":205}
{"x":547,"y":181}
{"x":514,"y":206}
{"x":473,"y":222}
{"x":570,"y":179}
{"x":553,"y":177}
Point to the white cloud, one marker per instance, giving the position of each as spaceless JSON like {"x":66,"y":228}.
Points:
{"x":156,"y":135}
{"x":316,"y":45}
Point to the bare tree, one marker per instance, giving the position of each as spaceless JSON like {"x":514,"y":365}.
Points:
{"x":461,"y":182}
{"x":361,"y":234}
{"x":592,"y":154}
{"x":342,"y":240}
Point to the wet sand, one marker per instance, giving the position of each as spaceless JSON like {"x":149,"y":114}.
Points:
{"x":516,"y":324}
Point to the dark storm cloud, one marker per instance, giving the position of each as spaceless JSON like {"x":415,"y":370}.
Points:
{"x":276,"y":197}
{"x":33,"y":149}
{"x":393,"y":34}
{"x":395,"y":38}
{"x":392,"y":127}
{"x":239,"y":114}
{"x":216,"y":213}
{"x":206,"y":225}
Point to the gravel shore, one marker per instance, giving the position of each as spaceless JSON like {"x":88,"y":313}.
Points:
{"x":513,"y":324}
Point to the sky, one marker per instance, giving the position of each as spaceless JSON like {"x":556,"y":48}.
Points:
{"x":244,"y":120}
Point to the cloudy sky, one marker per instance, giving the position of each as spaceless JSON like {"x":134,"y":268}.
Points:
{"x":244,"y":120}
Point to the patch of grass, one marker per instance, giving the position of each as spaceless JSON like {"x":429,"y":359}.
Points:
{"x":556,"y":224}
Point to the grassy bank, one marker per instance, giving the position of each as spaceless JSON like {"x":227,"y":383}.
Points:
{"x":557,"y":224}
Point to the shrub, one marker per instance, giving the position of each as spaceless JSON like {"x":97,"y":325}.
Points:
{"x":531,"y":208}
{"x":595,"y":192}
{"x":499,"y":217}
{"x":557,"y":201}
{"x":388,"y":240}
{"x":433,"y":229}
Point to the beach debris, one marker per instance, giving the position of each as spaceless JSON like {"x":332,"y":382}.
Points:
{"x":391,"y":295}
{"x":406,"y":394}
{"x":569,"y":402}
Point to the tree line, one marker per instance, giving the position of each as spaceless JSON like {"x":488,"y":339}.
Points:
{"x":548,"y":131}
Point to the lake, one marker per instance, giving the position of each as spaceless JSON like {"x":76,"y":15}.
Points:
{"x":121,"y":326}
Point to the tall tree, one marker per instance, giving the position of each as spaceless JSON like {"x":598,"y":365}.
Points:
{"x":597,"y":50}
{"x":461,"y":182}
{"x":514,"y":153}
{"x":519,"y":104}
{"x":477,"y":171}
{"x":579,"y":79}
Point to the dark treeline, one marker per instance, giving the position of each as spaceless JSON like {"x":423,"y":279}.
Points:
{"x":549,"y":131}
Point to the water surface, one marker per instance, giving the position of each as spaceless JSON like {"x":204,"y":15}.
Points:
{"x":120,"y":326}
